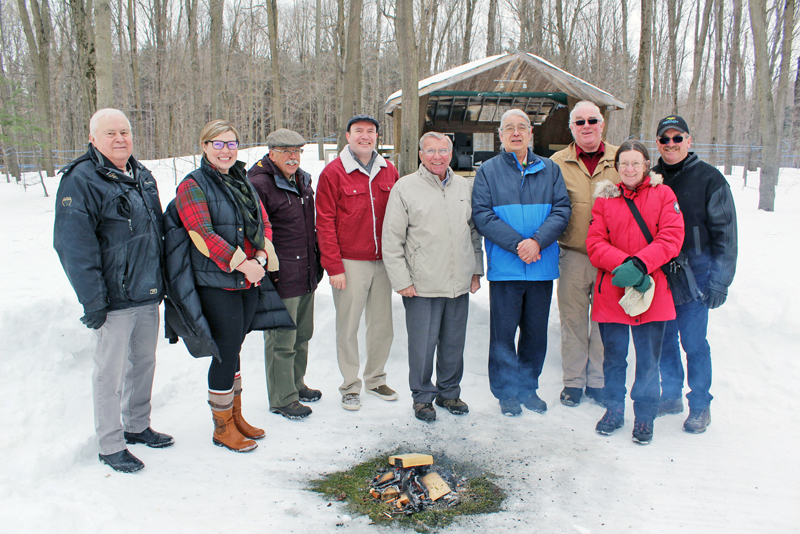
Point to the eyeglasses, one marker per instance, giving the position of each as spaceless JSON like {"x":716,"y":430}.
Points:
{"x":581,"y":122}
{"x":510,"y":129}
{"x":219,"y":145}
{"x":432,"y":152}
{"x":678,"y":139}
{"x":290,"y":151}
{"x":637,"y":165}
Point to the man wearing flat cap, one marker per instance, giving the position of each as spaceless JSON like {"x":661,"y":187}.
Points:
{"x":351,"y":202}
{"x":285,"y":190}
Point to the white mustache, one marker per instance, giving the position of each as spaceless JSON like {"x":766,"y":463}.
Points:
{"x":293,"y":162}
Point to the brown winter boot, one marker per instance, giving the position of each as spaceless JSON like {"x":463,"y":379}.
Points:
{"x":225,"y":432}
{"x":245,"y":428}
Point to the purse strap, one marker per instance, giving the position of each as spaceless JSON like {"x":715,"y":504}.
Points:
{"x":639,"y":220}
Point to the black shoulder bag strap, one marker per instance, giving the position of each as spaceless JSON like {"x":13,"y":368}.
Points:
{"x":639,"y":220}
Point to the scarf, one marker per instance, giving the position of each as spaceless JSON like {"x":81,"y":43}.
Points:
{"x":245,"y":194}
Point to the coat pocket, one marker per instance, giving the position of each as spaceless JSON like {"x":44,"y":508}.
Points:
{"x":355,"y":198}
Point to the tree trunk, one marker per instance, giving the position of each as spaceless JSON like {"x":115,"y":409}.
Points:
{"x":766,"y":106}
{"x":491,"y":30}
{"x":85,"y":45}
{"x":196,"y":103}
{"x":796,"y":121}
{"x":642,"y":70}
{"x":275,"y":63}
{"x":716,"y":87}
{"x":350,"y":88}
{"x":700,"y":43}
{"x":672,"y":59}
{"x":467,"y":41}
{"x":104,"y":73}
{"x":625,"y":55}
{"x":784,"y":127}
{"x":732,"y":77}
{"x":409,"y":121}
{"x":215,"y":11}
{"x":319,"y":83}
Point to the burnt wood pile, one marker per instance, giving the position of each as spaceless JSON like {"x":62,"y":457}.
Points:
{"x":412,"y":484}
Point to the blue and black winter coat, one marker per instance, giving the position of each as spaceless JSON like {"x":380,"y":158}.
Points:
{"x":108,"y":233}
{"x":510,"y":204}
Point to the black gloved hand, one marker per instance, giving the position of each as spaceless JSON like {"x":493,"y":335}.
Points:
{"x":714,"y":298}
{"x":95,"y":319}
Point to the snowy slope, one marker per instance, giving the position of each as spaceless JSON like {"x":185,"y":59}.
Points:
{"x":740,"y":476}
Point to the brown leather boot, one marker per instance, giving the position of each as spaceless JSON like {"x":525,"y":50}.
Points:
{"x":246,"y":429}
{"x":225,"y":432}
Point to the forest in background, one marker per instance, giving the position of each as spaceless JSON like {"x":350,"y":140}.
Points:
{"x":728,"y":66}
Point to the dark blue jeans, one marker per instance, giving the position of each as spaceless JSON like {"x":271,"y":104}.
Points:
{"x":691,"y":325}
{"x":647,"y":342}
{"x":514,"y":369}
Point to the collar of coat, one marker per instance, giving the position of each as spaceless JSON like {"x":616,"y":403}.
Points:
{"x":428,"y":175}
{"x":533,"y":163}
{"x":350,"y":164}
{"x":608,"y":189}
{"x":281,"y":181}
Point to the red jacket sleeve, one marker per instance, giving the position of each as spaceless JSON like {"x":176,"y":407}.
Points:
{"x":327,"y":207}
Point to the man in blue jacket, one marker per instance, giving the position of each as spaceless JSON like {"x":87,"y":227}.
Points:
{"x":520,"y":206}
{"x":108,"y":235}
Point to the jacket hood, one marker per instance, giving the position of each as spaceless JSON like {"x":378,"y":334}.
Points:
{"x":608,"y":189}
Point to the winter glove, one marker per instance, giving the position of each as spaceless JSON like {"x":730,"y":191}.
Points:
{"x":714,"y":298}
{"x":629,"y":274}
{"x":95,"y":319}
{"x":644,"y":285}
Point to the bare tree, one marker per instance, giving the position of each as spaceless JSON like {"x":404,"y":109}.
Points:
{"x":469,"y":10}
{"x":277,"y":103}
{"x":732,"y":78}
{"x":215,"y":11}
{"x":350,"y":102}
{"x":492,"y":46}
{"x":409,"y":119}
{"x":319,"y":84}
{"x":699,"y":48}
{"x":716,"y":87}
{"x":784,"y":127}
{"x":643,"y":70}
{"x":104,"y":73}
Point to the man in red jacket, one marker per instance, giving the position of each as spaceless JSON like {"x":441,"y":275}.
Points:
{"x":351,"y":200}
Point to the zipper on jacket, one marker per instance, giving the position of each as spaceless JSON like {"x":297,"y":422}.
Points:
{"x":600,"y":285}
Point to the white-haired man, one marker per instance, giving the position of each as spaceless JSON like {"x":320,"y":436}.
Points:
{"x":585,"y":162}
{"x":520,"y":206}
{"x":108,"y":234}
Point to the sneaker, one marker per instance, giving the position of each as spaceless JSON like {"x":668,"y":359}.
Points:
{"x":149,"y":437}
{"x":351,"y":401}
{"x":535,"y":404}
{"x":454,"y":406}
{"x":293,"y":410}
{"x":698,"y":420}
{"x":613,"y":419}
{"x":669,"y":406}
{"x":596,"y":394}
{"x":642,"y":432}
{"x":424,"y":411}
{"x":510,"y":407}
{"x":309,"y":395}
{"x":571,"y":396}
{"x":384,"y":392}
{"x":122,"y":461}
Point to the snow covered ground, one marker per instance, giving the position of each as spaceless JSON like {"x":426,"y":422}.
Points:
{"x":740,"y":476}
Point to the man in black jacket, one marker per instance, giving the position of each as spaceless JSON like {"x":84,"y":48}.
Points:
{"x":711,"y":245}
{"x":108,"y":235}
{"x":285,"y":190}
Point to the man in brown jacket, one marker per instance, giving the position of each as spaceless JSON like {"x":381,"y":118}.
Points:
{"x":586,"y":161}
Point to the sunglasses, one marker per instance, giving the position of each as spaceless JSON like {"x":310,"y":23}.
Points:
{"x":219,"y":145}
{"x":581,"y":122}
{"x":678,"y":139}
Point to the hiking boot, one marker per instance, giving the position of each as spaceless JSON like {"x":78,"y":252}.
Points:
{"x":149,"y":437}
{"x":642,"y":432}
{"x":698,"y":420}
{"x":351,"y":401}
{"x":613,"y":419}
{"x":454,"y":406}
{"x":384,"y":392}
{"x":669,"y":406}
{"x":596,"y":394}
{"x":122,"y":461}
{"x":535,"y":404}
{"x":510,"y":407}
{"x":293,"y":410}
{"x":309,"y":395}
{"x":571,"y":396}
{"x":424,"y":411}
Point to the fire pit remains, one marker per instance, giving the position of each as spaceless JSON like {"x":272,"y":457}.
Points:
{"x":412,"y":484}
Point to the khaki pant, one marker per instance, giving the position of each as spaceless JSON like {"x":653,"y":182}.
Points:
{"x":581,"y":346}
{"x":368,"y":291}
{"x":286,"y":352}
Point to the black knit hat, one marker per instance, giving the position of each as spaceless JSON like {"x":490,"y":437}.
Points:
{"x":284,"y":138}
{"x":672,"y":122}
{"x":365,"y":118}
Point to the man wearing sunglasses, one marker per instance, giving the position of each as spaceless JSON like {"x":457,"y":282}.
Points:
{"x":711,"y":246}
{"x":285,"y":190}
{"x":585,"y":162}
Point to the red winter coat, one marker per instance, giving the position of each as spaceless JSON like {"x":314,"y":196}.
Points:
{"x":614,"y":236}
{"x":350,"y":209}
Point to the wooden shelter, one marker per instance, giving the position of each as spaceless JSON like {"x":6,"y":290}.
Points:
{"x":467,"y":103}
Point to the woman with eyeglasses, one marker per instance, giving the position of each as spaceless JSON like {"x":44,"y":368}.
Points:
{"x":218,"y":243}
{"x":631,"y":295}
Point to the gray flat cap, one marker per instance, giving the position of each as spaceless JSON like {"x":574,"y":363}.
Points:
{"x":283,"y":138}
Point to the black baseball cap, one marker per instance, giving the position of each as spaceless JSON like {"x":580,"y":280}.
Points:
{"x":672,"y":122}
{"x":363,"y":118}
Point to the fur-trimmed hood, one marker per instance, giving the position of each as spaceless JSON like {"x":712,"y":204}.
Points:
{"x":608,"y":189}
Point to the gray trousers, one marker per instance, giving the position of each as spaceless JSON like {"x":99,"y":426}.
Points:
{"x":436,"y":325}
{"x":286,"y":352}
{"x":124,"y":364}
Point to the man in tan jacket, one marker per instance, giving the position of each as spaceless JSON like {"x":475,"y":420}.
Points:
{"x":586,"y":161}
{"x":434,"y":259}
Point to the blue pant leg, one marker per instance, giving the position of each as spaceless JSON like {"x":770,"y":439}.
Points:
{"x":671,"y":365}
{"x":505,"y":311}
{"x":693,"y":325}
{"x":645,"y":392}
{"x":616,"y":338}
{"x":533,"y":334}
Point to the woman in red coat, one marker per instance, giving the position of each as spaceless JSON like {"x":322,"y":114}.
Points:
{"x":624,"y":259}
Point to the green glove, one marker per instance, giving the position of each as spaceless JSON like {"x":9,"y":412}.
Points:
{"x":644,"y":285}
{"x":627,"y":274}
